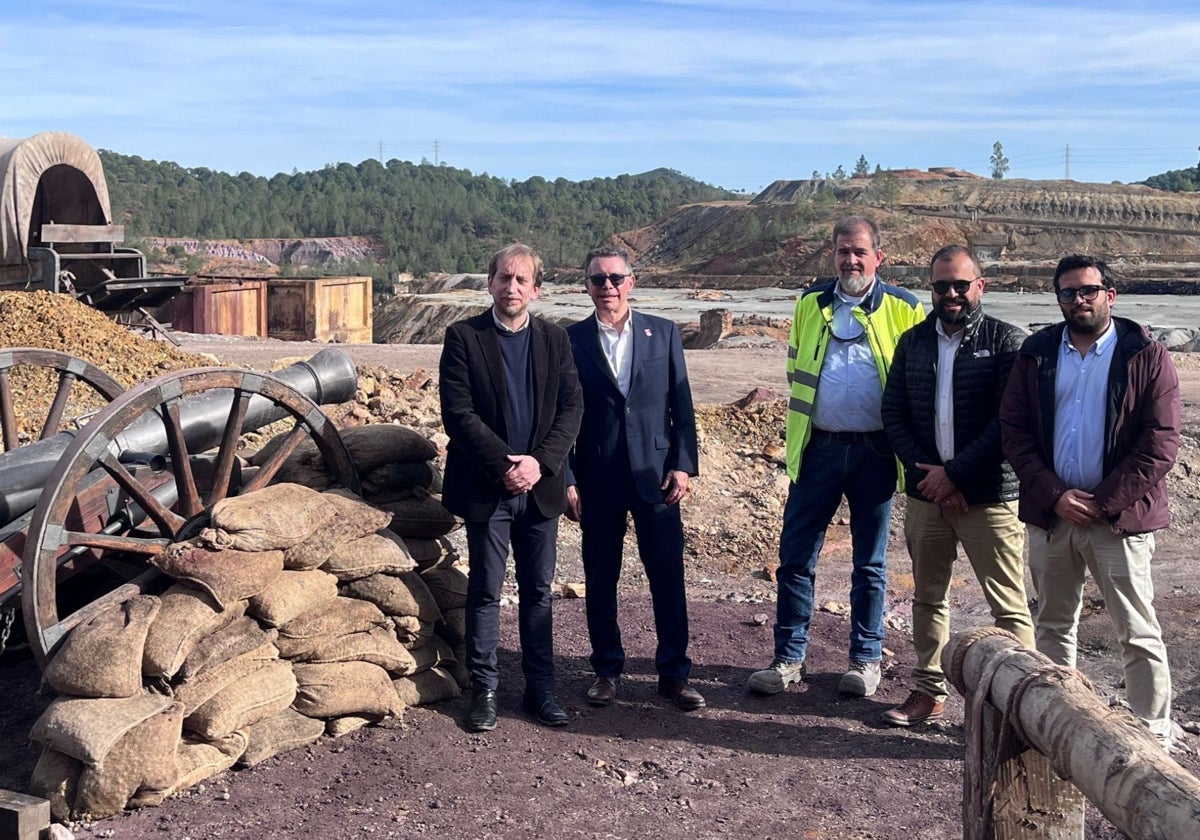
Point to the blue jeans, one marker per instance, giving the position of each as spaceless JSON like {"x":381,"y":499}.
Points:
{"x":865,"y":472}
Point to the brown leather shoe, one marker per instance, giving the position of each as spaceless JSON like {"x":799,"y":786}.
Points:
{"x":917,"y":708}
{"x":685,"y":697}
{"x":603,"y":691}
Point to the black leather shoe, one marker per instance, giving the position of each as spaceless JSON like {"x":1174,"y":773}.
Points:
{"x":603,"y":691}
{"x":685,"y":697}
{"x":481,"y":717}
{"x":546,"y":709}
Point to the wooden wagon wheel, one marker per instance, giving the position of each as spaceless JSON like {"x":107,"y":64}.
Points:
{"x":72,"y":372}
{"x":182,"y":415}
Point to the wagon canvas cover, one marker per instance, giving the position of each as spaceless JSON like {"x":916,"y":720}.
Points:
{"x":50,"y":177}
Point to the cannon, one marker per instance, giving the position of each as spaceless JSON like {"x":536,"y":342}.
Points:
{"x":146,"y":471}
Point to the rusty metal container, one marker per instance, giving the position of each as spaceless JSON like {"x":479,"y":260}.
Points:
{"x":320,"y":309}
{"x":221,"y":306}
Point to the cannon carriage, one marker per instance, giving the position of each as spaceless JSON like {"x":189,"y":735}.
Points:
{"x":142,"y":472}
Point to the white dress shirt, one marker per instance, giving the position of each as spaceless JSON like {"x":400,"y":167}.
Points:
{"x":618,"y":349}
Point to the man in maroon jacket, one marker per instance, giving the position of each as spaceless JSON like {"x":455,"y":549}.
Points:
{"x":1090,"y":423}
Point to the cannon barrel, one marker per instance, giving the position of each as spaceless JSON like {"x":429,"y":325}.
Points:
{"x":328,"y":377}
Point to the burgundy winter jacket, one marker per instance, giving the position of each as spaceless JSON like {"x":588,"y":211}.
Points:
{"x":1141,"y":429}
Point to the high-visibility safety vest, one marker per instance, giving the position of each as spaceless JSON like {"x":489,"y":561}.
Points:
{"x":886,"y":313}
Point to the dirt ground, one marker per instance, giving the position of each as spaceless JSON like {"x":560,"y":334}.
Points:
{"x":809,"y":763}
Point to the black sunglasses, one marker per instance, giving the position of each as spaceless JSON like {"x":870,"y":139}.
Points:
{"x":1083,"y":292}
{"x":600,"y":279}
{"x":960,"y":287}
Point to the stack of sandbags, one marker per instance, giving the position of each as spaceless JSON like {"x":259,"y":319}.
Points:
{"x":397,"y":468}
{"x":253,"y":650}
{"x":399,"y":474}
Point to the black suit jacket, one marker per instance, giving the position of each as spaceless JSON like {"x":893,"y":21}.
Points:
{"x":656,"y":423}
{"x":475,"y":416}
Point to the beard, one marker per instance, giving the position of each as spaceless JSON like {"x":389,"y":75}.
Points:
{"x":954,"y":317}
{"x":1088,"y":322}
{"x":855,"y":284}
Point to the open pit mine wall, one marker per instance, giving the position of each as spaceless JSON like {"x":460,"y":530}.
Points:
{"x":783,"y":232}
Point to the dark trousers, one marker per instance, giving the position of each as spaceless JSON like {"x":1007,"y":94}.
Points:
{"x":659,"y":528}
{"x":533,"y":536}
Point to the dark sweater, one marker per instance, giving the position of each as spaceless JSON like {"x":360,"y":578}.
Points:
{"x":518,"y":379}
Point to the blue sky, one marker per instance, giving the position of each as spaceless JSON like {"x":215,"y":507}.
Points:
{"x":738,"y":93}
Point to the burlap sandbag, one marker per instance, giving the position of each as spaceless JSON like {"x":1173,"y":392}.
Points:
{"x":369,"y":446}
{"x":458,"y":669}
{"x":369,"y":555}
{"x":448,"y":583}
{"x":291,"y":594}
{"x":241,"y":636}
{"x":402,"y":594}
{"x":339,"y":726}
{"x":344,"y":688}
{"x":145,"y":756}
{"x":379,"y":646}
{"x":102,"y":657}
{"x":56,"y":779}
{"x":281,"y":732}
{"x":228,"y":575}
{"x":276,"y":517}
{"x":422,"y":516}
{"x":426,"y":687}
{"x":338,"y":617}
{"x":437,"y":652}
{"x":401,"y":476}
{"x":453,"y":626}
{"x":87,"y":728}
{"x":413,"y":633}
{"x":244,"y":702}
{"x":197,"y":760}
{"x":185,"y":617}
{"x":196,"y":692}
{"x":428,"y":552}
{"x":353,"y":519}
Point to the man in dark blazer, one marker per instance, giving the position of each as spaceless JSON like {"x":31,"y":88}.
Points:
{"x":511,"y":407}
{"x":635,"y":453}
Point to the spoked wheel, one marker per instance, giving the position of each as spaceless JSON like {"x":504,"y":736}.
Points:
{"x":113,"y":498}
{"x":80,"y":384}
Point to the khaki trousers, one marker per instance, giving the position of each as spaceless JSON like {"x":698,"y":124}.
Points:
{"x":1120,"y":566}
{"x":994,"y":540}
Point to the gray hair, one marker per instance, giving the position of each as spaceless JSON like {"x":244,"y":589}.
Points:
{"x":608,"y":250}
{"x":852,"y":224}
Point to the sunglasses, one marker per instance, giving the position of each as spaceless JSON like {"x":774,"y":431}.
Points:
{"x":1082,"y":292}
{"x":961,"y":287}
{"x":600,"y":279}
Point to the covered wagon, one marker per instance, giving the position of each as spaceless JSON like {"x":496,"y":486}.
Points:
{"x":56,"y":228}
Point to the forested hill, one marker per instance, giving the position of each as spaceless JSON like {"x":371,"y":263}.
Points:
{"x":428,"y":218}
{"x":1176,"y":180}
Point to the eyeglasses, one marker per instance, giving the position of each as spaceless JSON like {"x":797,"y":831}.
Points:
{"x":599,"y":279}
{"x":961,"y":287}
{"x":1082,"y":292}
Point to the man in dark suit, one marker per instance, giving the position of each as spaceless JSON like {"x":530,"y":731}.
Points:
{"x":511,"y":407}
{"x":635,"y":453}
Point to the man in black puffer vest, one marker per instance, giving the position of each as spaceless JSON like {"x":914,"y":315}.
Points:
{"x":941,"y":410}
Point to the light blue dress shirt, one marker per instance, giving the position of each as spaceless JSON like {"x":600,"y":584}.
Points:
{"x":849,"y":392}
{"x":1080,"y":392}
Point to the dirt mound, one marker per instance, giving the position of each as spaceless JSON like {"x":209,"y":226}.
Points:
{"x":59,"y":322}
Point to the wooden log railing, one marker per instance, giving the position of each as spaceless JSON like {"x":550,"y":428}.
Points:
{"x":1039,"y":739}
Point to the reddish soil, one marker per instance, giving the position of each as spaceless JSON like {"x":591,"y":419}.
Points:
{"x":809,"y":763}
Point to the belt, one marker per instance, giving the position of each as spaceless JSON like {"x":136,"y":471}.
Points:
{"x":845,"y":437}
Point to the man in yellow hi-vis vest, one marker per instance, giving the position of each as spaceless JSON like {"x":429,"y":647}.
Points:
{"x":840,"y":348}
